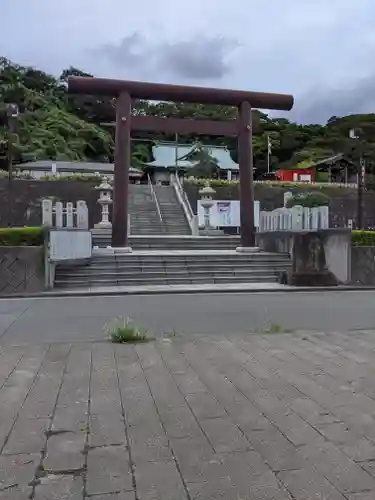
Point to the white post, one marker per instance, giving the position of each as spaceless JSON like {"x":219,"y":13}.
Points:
{"x":47,"y":212}
{"x":69,"y":214}
{"x":315,"y":218}
{"x":306,"y":218}
{"x":261,"y":221}
{"x":297,"y":218}
{"x":59,"y":214}
{"x":287,"y":197}
{"x":324,"y":217}
{"x":82,"y":215}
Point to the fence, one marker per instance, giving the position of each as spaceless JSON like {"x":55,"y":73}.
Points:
{"x":294,"y":219}
{"x":291,"y":184}
{"x":67,"y":216}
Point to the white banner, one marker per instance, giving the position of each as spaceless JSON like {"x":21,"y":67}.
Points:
{"x":225,"y":213}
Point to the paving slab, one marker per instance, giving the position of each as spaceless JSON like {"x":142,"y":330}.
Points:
{"x":257,"y":416}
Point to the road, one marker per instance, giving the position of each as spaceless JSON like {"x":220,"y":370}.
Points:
{"x":85,"y":318}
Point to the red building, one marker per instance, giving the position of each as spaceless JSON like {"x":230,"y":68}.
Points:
{"x":296,"y":175}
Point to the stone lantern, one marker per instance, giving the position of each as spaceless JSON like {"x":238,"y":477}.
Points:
{"x":105,"y":200}
{"x":207,"y":203}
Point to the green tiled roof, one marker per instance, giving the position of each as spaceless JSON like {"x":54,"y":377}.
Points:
{"x":169,"y":155}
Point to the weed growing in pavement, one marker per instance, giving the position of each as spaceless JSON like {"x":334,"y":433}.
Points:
{"x":123,"y":331}
{"x":274,"y":328}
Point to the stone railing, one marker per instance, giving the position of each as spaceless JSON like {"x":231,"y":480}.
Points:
{"x":182,"y":198}
{"x":294,"y":219}
{"x":68,"y":215}
{"x":69,"y":238}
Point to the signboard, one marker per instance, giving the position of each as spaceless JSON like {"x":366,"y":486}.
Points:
{"x":225,"y":213}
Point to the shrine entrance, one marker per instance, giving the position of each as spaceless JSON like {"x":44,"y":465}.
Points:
{"x":125,"y":91}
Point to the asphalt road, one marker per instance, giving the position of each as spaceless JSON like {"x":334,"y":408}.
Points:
{"x":85,"y":318}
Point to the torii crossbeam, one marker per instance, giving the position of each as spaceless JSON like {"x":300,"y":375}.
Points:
{"x":125,"y":91}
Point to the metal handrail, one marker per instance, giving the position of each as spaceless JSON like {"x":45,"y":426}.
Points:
{"x":153,"y":194}
{"x":184,"y":196}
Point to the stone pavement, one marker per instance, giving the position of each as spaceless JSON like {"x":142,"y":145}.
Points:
{"x":262,"y":416}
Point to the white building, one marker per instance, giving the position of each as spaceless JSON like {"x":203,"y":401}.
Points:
{"x":45,"y":168}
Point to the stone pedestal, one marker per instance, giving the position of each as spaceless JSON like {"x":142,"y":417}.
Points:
{"x":105,"y":200}
{"x":207,"y":202}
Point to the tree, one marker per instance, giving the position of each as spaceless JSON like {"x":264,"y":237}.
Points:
{"x":54,"y":124}
{"x":141,"y":153}
{"x":206,"y":166}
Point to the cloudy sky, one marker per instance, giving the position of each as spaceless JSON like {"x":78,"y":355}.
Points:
{"x":322,"y":51}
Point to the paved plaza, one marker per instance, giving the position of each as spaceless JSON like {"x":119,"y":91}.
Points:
{"x":268,"y":416}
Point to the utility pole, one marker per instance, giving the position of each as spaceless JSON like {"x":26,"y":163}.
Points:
{"x":355,"y":134}
{"x":361,"y":185}
{"x":12,"y":113}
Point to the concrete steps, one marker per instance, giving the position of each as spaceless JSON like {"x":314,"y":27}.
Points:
{"x":144,"y":218}
{"x":168,"y":268}
{"x":174,"y":219}
{"x":166,"y":242}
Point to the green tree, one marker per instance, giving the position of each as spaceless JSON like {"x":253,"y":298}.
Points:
{"x":205,"y":167}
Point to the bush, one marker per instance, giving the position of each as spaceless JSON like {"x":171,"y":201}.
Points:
{"x":362,"y":238}
{"x":286,"y":184}
{"x":122,"y":331}
{"x":72,"y":177}
{"x":21,"y":236}
{"x":309,"y":200}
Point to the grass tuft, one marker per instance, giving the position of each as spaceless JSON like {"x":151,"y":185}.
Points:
{"x":274,"y":328}
{"x":123,"y":331}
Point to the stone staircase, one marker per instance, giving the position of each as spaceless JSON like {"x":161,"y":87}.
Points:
{"x":144,"y":218}
{"x":102,"y":239}
{"x":174,"y":220}
{"x":173,"y":268}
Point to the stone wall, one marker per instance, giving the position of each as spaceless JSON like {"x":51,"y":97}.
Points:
{"x":21,"y":205}
{"x":343,"y":200}
{"x":21,"y":202}
{"x":21,"y":270}
{"x":363,"y":266}
{"x":319,"y":258}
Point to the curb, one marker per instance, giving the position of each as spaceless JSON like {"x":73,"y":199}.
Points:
{"x":111,"y":293}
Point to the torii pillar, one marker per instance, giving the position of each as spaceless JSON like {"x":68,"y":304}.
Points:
{"x":125,"y":91}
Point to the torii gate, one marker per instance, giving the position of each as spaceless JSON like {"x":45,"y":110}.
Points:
{"x":125,"y":91}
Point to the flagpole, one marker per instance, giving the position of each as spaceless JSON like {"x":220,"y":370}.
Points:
{"x":268,"y":154}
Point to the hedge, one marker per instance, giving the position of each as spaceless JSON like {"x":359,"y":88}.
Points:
{"x":21,"y":236}
{"x":285,"y":184}
{"x":309,"y":200}
{"x":363,"y":238}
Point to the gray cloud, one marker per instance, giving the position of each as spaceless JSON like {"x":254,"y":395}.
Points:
{"x":311,"y":48}
{"x":321,"y":104}
{"x":132,"y":49}
{"x":201,"y":58}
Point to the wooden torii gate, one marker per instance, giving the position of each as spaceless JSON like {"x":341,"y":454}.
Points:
{"x":126,"y":91}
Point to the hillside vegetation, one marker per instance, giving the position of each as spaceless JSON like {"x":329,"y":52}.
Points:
{"x":58,"y":126}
